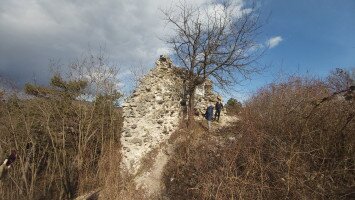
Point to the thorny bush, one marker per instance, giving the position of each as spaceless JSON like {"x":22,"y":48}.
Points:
{"x":295,"y":140}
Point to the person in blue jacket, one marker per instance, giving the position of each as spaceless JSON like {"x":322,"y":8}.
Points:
{"x":209,"y":115}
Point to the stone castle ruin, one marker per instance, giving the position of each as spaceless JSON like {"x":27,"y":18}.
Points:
{"x":153,"y":112}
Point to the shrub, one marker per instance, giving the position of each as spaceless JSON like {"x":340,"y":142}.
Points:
{"x":233,"y":106}
{"x":59,"y":141}
{"x":296,"y":141}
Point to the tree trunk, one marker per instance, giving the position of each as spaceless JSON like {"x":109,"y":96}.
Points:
{"x":191,"y":107}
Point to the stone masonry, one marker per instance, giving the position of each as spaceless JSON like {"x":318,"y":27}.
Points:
{"x":153,"y":111}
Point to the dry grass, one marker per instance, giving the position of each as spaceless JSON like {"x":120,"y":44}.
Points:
{"x":288,"y":146}
{"x":148,"y":161}
{"x":116,"y":184}
{"x":295,"y":141}
{"x":59,"y":144}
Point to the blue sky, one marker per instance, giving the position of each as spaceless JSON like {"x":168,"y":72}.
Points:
{"x":308,"y":37}
{"x":317,"y":36}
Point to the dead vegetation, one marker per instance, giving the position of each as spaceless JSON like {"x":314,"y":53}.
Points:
{"x":287,"y":146}
{"x":59,"y":143}
{"x":295,"y":140}
{"x":62,"y":141}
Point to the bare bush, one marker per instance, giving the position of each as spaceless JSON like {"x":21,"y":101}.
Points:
{"x":59,"y":139}
{"x":340,"y":79}
{"x":288,"y":146}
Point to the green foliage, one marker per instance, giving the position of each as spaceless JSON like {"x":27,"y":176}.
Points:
{"x":233,"y":106}
{"x":113,"y":97}
{"x":36,"y":90}
{"x":58,"y":88}
{"x":232,"y":102}
{"x":74,"y":87}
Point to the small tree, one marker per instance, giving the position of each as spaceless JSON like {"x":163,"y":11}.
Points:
{"x":233,"y":106}
{"x":216,"y":41}
{"x":59,"y":87}
{"x":100,"y":74}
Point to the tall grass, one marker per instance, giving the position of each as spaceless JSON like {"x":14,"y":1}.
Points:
{"x":294,"y":142}
{"x":59,"y":142}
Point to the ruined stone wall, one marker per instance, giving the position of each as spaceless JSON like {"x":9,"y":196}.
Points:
{"x":202,"y":101}
{"x":153,"y":112}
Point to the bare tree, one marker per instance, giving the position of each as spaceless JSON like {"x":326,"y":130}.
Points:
{"x":215,"y":41}
{"x":340,"y":80}
{"x":100,"y":74}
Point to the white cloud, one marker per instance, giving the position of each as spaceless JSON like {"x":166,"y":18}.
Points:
{"x":274,"y":41}
{"x":163,"y":51}
{"x":235,"y":10}
{"x":34,"y":31}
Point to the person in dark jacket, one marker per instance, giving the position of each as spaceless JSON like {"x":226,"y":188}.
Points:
{"x":219,"y":107}
{"x":209,"y":115}
{"x":7,"y":164}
